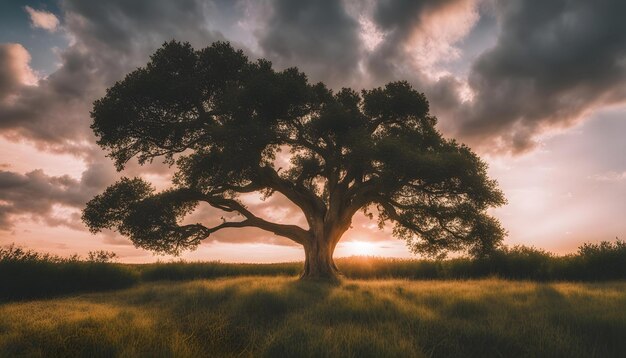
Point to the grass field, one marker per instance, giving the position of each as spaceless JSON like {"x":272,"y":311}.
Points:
{"x":281,"y":316}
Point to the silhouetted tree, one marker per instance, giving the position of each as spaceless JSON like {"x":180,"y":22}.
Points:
{"x":221,"y":120}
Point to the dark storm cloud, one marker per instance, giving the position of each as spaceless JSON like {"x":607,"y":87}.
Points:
{"x":399,"y":20}
{"x":36,"y":194}
{"x":123,"y":33}
{"x":319,"y":37}
{"x":554,"y":61}
{"x":108,"y":40}
{"x":55,"y":112}
{"x":552,"y":64}
{"x":412,"y":28}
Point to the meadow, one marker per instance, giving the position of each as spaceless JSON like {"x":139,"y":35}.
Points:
{"x":517,"y":302}
{"x":282,"y":316}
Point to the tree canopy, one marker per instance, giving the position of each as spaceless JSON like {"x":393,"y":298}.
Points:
{"x":222,"y":120}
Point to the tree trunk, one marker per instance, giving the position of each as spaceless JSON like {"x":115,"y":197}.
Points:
{"x":318,"y":263}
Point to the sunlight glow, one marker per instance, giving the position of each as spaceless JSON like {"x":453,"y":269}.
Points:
{"x":360,"y":248}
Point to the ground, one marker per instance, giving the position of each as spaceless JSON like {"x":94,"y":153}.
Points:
{"x":280,"y":316}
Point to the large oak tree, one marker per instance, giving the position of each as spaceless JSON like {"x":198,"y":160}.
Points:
{"x":222,"y":119}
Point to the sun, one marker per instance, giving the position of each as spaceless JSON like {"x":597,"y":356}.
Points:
{"x":360,"y":248}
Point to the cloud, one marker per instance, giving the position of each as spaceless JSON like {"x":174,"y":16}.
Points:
{"x":108,"y":40}
{"x":611,"y":176}
{"x":419,"y":41}
{"x":553,"y":63}
{"x":319,"y":37}
{"x":419,"y":35}
{"x":550,"y":66}
{"x":15,"y":71}
{"x":56,"y":111}
{"x":42,"y":19}
{"x":54,"y":200}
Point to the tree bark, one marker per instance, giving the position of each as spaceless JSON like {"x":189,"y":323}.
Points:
{"x":318,"y":263}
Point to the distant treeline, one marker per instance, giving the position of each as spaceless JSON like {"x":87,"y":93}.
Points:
{"x":27,"y":274}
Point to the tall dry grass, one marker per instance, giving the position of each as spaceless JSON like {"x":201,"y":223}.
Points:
{"x":282,"y":317}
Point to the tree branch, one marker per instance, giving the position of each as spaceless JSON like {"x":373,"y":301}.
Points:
{"x":299,"y":195}
{"x":293,"y":232}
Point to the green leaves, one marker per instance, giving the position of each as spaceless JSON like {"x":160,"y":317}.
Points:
{"x":397,"y":101}
{"x":169,"y":105}
{"x":153,"y":223}
{"x":109,"y":209}
{"x":150,"y":219}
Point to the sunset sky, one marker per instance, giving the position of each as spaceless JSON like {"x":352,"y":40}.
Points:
{"x":537,"y":88}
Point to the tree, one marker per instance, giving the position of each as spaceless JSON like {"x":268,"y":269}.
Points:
{"x":222,"y":119}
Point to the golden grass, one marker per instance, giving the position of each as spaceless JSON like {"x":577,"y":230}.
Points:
{"x":280,"y":316}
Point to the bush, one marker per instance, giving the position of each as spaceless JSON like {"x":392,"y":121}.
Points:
{"x":518,"y":262}
{"x":101,"y":256}
{"x":603,"y":261}
{"x":28,"y":274}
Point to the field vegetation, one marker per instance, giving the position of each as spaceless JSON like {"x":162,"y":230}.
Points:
{"x":282,"y":317}
{"x":517,"y":302}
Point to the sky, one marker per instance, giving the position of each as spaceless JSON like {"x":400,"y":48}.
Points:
{"x":537,"y":88}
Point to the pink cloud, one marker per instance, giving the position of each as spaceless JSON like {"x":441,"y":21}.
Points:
{"x":42,"y":19}
{"x":15,"y":71}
